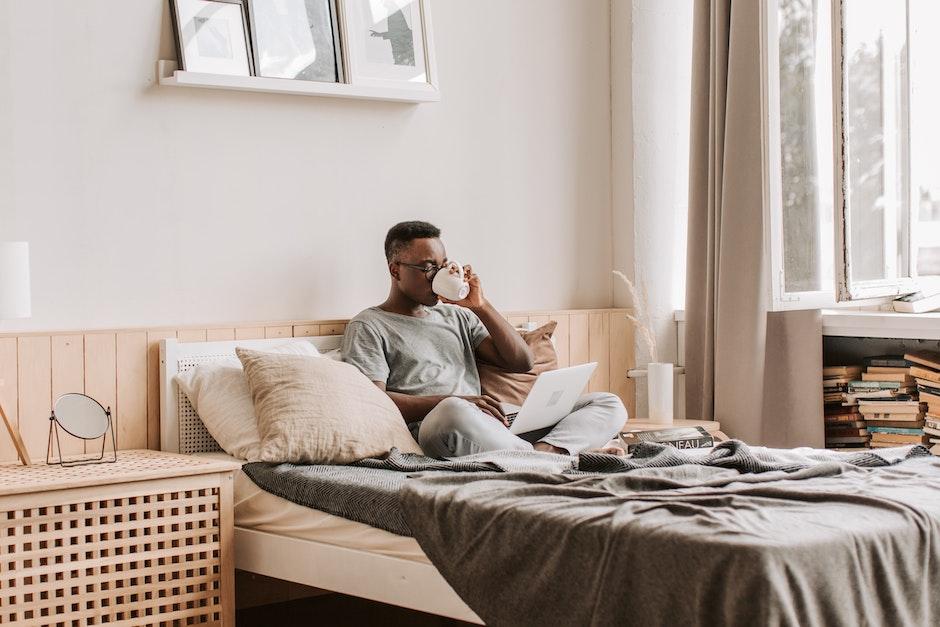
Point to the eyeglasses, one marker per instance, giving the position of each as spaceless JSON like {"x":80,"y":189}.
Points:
{"x":430,"y":271}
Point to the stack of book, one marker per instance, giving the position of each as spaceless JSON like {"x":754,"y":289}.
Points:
{"x":845,"y":427}
{"x":896,"y":417}
{"x":925,"y":369}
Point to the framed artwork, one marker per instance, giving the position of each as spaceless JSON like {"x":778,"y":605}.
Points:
{"x":388,"y":42}
{"x":212,"y":36}
{"x":296,"y":39}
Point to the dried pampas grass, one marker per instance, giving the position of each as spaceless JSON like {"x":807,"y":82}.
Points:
{"x":640,"y":316}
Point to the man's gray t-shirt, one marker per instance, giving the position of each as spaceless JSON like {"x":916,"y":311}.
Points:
{"x":429,"y":356}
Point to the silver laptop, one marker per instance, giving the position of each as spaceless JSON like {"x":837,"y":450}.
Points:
{"x":552,"y":398}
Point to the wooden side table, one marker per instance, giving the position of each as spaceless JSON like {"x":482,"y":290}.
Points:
{"x":145,"y":540}
{"x":712,"y":426}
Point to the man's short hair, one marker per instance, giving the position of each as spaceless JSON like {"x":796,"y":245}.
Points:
{"x":402,"y":234}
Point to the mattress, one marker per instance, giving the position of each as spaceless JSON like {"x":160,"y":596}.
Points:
{"x":262,"y":511}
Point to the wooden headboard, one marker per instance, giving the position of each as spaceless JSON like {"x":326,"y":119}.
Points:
{"x":120,"y":368}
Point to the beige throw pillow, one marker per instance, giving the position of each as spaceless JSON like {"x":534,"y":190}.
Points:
{"x":320,"y":411}
{"x":513,"y":387}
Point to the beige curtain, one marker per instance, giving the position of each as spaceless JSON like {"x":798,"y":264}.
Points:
{"x":757,"y":372}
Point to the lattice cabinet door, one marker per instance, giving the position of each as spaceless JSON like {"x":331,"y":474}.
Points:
{"x":145,"y":541}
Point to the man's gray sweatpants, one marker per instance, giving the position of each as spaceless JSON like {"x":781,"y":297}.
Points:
{"x":457,"y":427}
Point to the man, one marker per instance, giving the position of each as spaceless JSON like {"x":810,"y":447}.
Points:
{"x":423,"y":355}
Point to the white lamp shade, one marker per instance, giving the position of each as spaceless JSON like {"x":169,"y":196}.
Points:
{"x":14,"y":280}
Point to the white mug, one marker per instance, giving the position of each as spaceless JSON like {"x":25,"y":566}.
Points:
{"x":451,"y":284}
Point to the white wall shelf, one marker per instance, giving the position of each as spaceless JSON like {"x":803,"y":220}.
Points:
{"x":170,"y":76}
{"x":881,"y":324}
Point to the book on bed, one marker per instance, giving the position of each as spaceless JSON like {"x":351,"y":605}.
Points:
{"x":679,"y":437}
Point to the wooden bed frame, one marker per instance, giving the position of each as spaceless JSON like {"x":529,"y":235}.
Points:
{"x":392,"y":580}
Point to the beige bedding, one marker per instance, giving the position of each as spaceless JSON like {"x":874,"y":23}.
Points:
{"x":263,"y":511}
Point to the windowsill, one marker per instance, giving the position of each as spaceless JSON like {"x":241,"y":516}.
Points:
{"x":882,"y":324}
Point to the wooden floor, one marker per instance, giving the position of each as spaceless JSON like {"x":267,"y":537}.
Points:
{"x":339,"y":610}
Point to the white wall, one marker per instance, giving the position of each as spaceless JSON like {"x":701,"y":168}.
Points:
{"x":148,"y":206}
{"x":651,"y":45}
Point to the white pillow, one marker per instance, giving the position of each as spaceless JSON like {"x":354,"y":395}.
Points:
{"x":219,"y":393}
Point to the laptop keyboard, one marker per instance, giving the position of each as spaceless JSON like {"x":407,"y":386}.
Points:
{"x":510,"y":418}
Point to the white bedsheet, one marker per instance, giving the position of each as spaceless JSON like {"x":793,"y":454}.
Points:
{"x":263,"y":511}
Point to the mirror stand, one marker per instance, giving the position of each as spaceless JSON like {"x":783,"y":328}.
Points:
{"x":54,"y":434}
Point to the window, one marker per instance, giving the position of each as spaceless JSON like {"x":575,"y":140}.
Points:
{"x":852,"y":189}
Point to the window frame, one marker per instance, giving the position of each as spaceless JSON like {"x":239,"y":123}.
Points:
{"x":849,"y":290}
{"x":780,"y":298}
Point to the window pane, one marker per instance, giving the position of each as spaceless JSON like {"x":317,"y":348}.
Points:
{"x":875,"y":122}
{"x":925,"y":135}
{"x":806,"y":144}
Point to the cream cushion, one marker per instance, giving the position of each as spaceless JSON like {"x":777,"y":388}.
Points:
{"x":219,"y":393}
{"x":320,"y":411}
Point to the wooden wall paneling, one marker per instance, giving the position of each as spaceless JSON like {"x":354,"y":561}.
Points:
{"x":153,"y":386}
{"x":191,"y":335}
{"x":121,"y":369}
{"x":332,"y":329}
{"x":68,"y":375}
{"x":34,"y":383}
{"x":599,"y":351}
{"x":249,"y":333}
{"x":101,"y":376}
{"x":220,"y":335}
{"x":622,"y":359}
{"x":578,"y":332}
{"x":560,"y":338}
{"x":8,"y":394}
{"x":306,"y":330}
{"x":276,"y":332}
{"x":131,"y":363}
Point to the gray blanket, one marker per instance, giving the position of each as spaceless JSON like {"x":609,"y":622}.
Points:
{"x":367,"y":491}
{"x":731,"y":537}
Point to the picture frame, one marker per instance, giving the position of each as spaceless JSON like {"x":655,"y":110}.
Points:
{"x":212,"y":36}
{"x":296,"y":39}
{"x":388,"y":43}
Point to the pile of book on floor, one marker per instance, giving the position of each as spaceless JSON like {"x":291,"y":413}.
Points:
{"x":845,"y":427}
{"x":925,"y":369}
{"x":893,"y":410}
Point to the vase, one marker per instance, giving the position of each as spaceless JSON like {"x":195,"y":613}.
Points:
{"x":659,"y":378}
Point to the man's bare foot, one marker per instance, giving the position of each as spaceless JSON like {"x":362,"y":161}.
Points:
{"x":545,"y":447}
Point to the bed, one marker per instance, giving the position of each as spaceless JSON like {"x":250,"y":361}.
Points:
{"x":735,"y":536}
{"x":280,"y":539}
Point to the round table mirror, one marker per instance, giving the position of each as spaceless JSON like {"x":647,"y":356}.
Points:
{"x":81,"y":416}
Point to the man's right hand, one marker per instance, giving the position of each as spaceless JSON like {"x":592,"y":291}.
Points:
{"x":488,"y":405}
